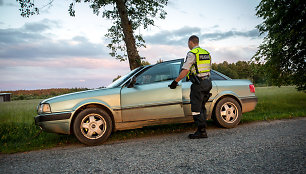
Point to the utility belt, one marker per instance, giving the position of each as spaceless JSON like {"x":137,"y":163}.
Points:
{"x":197,"y":80}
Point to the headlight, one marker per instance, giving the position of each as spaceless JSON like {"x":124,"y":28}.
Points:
{"x":44,"y":108}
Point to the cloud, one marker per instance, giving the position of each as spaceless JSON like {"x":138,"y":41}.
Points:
{"x":52,"y":49}
{"x":28,"y":33}
{"x":172,"y":4}
{"x":58,"y":73}
{"x":79,"y":62}
{"x":32,"y":41}
{"x":31,"y":57}
{"x":9,"y":37}
{"x":224,"y":35}
{"x":30,"y":78}
{"x":36,"y":27}
{"x":232,"y":54}
{"x":176,"y":37}
{"x":8,"y":4}
{"x":152,"y":53}
{"x":229,"y":53}
{"x":180,"y":36}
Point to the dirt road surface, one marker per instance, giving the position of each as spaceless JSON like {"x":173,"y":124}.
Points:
{"x":260,"y":147}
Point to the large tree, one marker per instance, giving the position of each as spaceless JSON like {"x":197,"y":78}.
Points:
{"x":283,"y":50}
{"x":127,"y":16}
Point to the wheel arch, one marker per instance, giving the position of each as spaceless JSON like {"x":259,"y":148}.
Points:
{"x":91,"y":105}
{"x":230,"y":95}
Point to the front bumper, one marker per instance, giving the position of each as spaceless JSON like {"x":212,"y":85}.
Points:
{"x":56,"y":123}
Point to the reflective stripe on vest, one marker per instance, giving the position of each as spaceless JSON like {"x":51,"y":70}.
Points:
{"x":203,"y":61}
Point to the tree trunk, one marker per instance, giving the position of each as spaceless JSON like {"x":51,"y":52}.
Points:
{"x":133,"y":56}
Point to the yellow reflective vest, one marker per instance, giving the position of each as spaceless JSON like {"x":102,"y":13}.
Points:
{"x":203,"y":61}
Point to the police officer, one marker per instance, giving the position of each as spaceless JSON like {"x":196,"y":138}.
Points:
{"x":197,"y":68}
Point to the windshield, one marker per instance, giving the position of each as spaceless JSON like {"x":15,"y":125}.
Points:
{"x":122,"y":79}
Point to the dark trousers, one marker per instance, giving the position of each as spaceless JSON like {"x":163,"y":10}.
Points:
{"x":199,"y":95}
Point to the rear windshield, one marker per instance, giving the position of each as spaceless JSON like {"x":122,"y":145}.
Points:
{"x":215,"y":76}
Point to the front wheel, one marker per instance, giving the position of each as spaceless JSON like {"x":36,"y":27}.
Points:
{"x":227,"y":113}
{"x":92,"y":126}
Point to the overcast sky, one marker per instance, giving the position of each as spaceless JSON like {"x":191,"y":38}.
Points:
{"x":54,"y":50}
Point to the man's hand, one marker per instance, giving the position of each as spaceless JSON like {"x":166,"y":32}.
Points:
{"x":173,"y":84}
{"x":183,"y":73}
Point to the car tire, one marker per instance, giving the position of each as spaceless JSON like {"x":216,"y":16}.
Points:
{"x":227,"y":113}
{"x":92,"y":126}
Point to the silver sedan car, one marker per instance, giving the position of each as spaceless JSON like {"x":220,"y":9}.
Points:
{"x":142,"y":98}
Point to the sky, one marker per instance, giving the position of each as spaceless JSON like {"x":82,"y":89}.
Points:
{"x":55,"y":50}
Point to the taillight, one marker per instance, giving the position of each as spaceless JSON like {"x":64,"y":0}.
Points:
{"x":252,"y":88}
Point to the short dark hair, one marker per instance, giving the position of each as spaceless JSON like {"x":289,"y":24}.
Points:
{"x":194,"y":39}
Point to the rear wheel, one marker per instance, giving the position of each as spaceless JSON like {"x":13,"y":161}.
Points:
{"x":227,"y":113}
{"x":92,"y":126}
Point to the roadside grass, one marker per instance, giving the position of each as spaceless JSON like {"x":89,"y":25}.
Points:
{"x":277,"y":103}
{"x":18,"y":131}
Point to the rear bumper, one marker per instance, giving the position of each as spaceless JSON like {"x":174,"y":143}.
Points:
{"x":248,"y":104}
{"x":56,"y":123}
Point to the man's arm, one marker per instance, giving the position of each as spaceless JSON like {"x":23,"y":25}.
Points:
{"x":185,"y":69}
{"x":190,"y":60}
{"x":183,"y":73}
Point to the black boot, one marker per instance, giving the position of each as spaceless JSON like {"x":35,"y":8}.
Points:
{"x":200,"y":133}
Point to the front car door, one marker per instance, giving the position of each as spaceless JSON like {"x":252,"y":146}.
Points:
{"x":151,"y":98}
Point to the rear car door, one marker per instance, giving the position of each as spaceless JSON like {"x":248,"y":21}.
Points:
{"x":186,"y":94}
{"x":151,"y":98}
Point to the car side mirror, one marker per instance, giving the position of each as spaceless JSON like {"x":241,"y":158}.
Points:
{"x":132,"y":82}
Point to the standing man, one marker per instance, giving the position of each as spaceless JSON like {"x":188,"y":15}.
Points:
{"x":197,"y":68}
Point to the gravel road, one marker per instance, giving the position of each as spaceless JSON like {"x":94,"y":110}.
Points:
{"x":260,"y":147}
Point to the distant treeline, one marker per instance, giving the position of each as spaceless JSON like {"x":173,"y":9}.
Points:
{"x":41,"y":93}
{"x":243,"y":70}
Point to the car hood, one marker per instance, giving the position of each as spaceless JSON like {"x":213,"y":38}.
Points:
{"x":82,"y":94}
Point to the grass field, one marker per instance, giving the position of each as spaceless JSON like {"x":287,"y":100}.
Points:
{"x":17,"y":127}
{"x":277,"y":103}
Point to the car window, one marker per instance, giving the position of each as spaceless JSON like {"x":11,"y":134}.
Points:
{"x":122,"y":79}
{"x":215,"y":76}
{"x":160,"y":72}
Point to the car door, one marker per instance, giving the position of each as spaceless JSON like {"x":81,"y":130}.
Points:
{"x":186,"y":94}
{"x":151,"y":98}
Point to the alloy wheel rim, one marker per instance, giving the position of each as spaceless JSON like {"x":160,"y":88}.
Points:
{"x":93,"y":126}
{"x":229,"y":112}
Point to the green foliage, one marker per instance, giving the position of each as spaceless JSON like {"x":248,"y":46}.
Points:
{"x":116,"y":78}
{"x":27,"y":8}
{"x":284,"y":48}
{"x":160,"y":61}
{"x":242,"y":70}
{"x":20,"y":137}
{"x":144,"y":63}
